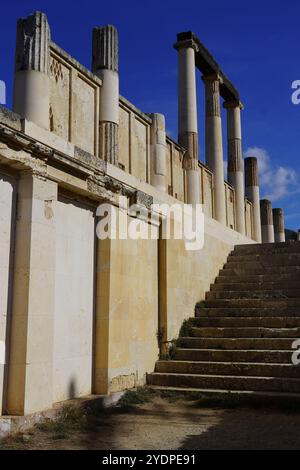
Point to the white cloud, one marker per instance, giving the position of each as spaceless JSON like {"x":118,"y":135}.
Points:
{"x":276,"y":182}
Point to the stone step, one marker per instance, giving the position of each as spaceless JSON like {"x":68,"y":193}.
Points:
{"x":288,"y":247}
{"x":279,"y":258}
{"x":238,"y":310}
{"x":264,"y":285}
{"x":254,"y":294}
{"x":238,"y":269}
{"x":236,"y":382}
{"x":257,"y":303}
{"x":236,"y":355}
{"x":225,"y":278}
{"x":236,"y":343}
{"x":228,"y":368}
{"x":236,"y":396}
{"x":244,"y":332}
{"x":247,"y":321}
{"x":266,"y":261}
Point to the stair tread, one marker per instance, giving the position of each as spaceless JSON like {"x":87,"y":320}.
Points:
{"x":246,"y":377}
{"x":223,"y":391}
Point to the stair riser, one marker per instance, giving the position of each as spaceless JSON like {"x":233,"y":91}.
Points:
{"x":261,"y":264}
{"x":260,"y":322}
{"x":278,"y":258}
{"x":278,"y":279}
{"x":256,"y":286}
{"x":284,"y":357}
{"x":253,"y":303}
{"x":259,"y":370}
{"x":246,"y":332}
{"x":254,"y":294}
{"x":237,"y":343}
{"x":240,"y":311}
{"x":239,"y":269}
{"x":288,"y":247}
{"x":227,"y":383}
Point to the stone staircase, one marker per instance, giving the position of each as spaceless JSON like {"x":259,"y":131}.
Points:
{"x":240,"y":341}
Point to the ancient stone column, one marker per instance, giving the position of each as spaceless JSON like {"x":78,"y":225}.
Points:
{"x":158,"y":174}
{"x":267,"y":227}
{"x":31,"y":83}
{"x":298,"y":236}
{"x":187,"y":116}
{"x":278,"y":219}
{"x":214,"y":145}
{"x":105,"y":66}
{"x":252,"y":193}
{"x":235,"y":160}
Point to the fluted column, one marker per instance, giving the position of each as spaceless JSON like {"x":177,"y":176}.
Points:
{"x":252,"y":193}
{"x":214,"y":145}
{"x":267,"y":227}
{"x":187,"y":116}
{"x":158,"y":173}
{"x":105,"y":66}
{"x":278,"y":220}
{"x":31,"y":81}
{"x":235,"y":160}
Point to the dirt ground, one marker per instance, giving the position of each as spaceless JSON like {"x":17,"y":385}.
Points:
{"x":161,"y":424}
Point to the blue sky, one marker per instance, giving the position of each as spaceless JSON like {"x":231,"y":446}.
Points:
{"x":256,"y":43}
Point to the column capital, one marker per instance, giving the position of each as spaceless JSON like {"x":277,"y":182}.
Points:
{"x":213,"y":78}
{"x":232,"y":104}
{"x":185,"y":44}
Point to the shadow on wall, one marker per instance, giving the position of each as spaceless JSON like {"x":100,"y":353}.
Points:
{"x":72,"y":392}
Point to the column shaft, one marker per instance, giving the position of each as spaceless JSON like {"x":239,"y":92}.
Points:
{"x":278,"y":219}
{"x":214,"y":145}
{"x":235,"y":161}
{"x":158,"y":175}
{"x":31,"y":82}
{"x":105,"y":66}
{"x":252,"y":193}
{"x":187,"y":117}
{"x":267,"y":227}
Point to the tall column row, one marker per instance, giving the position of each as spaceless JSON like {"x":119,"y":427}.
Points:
{"x":262,"y":215}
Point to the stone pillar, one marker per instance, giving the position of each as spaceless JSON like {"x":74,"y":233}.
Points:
{"x":158,"y":174}
{"x":105,"y":66}
{"x":31,"y":83}
{"x":278,"y":219}
{"x":298,"y":236}
{"x":235,"y":160}
{"x":267,"y":227}
{"x":187,"y":116}
{"x":214,"y":145}
{"x":252,"y":193}
{"x":30,"y":367}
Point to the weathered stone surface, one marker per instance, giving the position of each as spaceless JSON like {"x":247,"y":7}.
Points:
{"x":105,"y":48}
{"x":33,"y":40}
